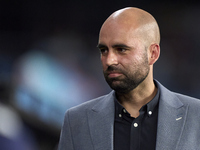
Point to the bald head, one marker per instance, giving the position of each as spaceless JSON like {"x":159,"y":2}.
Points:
{"x":134,"y":19}
{"x":129,"y":46}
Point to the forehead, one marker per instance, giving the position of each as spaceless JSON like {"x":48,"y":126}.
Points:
{"x":113,"y":32}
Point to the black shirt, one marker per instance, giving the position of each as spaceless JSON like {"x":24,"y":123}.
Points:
{"x":136,"y":133}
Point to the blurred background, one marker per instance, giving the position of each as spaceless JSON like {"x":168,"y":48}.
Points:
{"x":49,"y":61}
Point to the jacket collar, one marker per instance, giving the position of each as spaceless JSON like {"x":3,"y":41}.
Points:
{"x":171,"y":119}
{"x":101,"y":123}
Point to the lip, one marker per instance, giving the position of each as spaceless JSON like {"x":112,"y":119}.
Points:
{"x":114,"y":74}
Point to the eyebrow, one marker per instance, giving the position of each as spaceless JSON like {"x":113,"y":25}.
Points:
{"x":121,"y":46}
{"x":114,"y":46}
{"x":101,"y":46}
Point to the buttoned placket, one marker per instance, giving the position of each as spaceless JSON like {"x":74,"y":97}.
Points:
{"x":136,"y":128}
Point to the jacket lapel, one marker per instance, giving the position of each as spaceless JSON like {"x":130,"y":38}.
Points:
{"x":171,"y":119}
{"x":101,"y":122}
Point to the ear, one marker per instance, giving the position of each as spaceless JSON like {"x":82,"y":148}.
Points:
{"x":154,"y":53}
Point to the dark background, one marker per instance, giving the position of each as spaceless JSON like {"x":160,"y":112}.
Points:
{"x":48,"y":54}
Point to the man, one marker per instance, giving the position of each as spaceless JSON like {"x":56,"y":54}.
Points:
{"x":140,"y":113}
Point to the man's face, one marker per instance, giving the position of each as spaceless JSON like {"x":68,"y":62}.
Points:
{"x":124,"y":57}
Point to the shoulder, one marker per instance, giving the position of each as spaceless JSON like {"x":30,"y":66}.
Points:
{"x":79,"y":114}
{"x":176,"y":99}
{"x":98,"y":102}
{"x":88,"y":104}
{"x":188,"y":99}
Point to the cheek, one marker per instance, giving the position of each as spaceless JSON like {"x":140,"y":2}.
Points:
{"x":103,"y":63}
{"x":141,"y":57}
{"x":129,"y":61}
{"x":132,"y":63}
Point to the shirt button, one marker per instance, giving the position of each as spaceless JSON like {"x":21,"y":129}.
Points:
{"x":120,"y":115}
{"x":135,"y":125}
{"x":150,"y":112}
{"x":124,"y":110}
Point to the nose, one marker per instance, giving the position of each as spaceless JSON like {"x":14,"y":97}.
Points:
{"x":111,"y":59}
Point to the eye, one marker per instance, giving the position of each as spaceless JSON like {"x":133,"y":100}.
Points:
{"x":103,"y":51}
{"x":121,"y":49}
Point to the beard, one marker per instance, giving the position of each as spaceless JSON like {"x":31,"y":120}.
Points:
{"x":129,"y":79}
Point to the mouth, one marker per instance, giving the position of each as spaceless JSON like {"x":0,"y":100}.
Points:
{"x":113,"y":74}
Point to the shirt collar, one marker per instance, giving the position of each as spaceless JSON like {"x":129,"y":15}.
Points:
{"x":149,"y":107}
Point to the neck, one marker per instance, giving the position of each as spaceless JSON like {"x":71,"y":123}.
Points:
{"x":137,"y":98}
